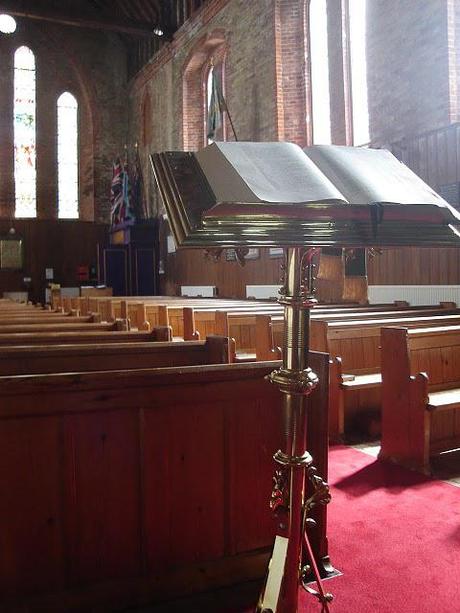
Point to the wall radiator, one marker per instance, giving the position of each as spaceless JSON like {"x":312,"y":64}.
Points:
{"x":198,"y":291}
{"x":262,"y":292}
{"x":414,"y":294}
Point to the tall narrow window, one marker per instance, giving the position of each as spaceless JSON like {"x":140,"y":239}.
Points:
{"x":67,"y":156}
{"x":24,"y":133}
{"x":357,"y":14}
{"x":319,"y":62}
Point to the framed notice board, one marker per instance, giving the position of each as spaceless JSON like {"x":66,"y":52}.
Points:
{"x":11,"y":253}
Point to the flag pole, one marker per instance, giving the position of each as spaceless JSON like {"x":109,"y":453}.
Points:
{"x":231,"y":122}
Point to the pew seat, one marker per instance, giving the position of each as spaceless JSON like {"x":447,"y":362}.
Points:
{"x":445,"y":399}
{"x":359,"y":382}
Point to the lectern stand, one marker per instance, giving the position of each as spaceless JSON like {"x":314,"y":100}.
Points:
{"x":276,"y":195}
{"x":292,"y":558}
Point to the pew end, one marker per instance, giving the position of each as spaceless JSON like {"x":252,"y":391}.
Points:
{"x":121,"y":325}
{"x":162,"y":333}
{"x":190,"y":331}
{"x":411,"y":448}
{"x":336,"y":401}
{"x":220,"y":349}
{"x":265,"y":346}
{"x":141,"y":318}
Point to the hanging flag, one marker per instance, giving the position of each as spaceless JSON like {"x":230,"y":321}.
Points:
{"x":216,"y":107}
{"x":120,"y":194}
{"x":116,"y":192}
{"x":137,"y":190}
{"x":125,"y":207}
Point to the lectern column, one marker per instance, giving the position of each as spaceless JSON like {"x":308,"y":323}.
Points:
{"x":295,"y":381}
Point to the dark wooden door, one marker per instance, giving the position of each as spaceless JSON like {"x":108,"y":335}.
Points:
{"x":144,"y":271}
{"x":115,"y":270}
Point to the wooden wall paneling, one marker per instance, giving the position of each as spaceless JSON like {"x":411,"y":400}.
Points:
{"x":423,"y":158}
{"x":62,"y":245}
{"x":434,"y":156}
{"x":432,"y":159}
{"x":190,"y":267}
{"x":442,"y":157}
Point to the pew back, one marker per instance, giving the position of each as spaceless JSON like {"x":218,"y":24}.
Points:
{"x":117,"y":491}
{"x":34,"y":359}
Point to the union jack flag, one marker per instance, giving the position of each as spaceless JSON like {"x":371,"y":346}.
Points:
{"x":120,"y":194}
{"x":116,"y":191}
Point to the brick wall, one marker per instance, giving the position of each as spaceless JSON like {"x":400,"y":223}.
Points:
{"x":92,"y":66}
{"x":412,"y":52}
{"x":408,"y":68}
{"x":246,"y":30}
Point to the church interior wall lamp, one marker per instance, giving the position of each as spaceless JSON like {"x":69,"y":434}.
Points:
{"x":7,"y":24}
{"x":245,"y":195}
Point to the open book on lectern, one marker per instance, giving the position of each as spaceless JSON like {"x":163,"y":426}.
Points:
{"x":276,"y":194}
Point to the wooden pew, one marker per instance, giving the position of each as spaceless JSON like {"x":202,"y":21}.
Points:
{"x":242,"y":325}
{"x":420,"y":394}
{"x":86,"y":326}
{"x":44,"y":317}
{"x":163,"y":310}
{"x":355,"y":370}
{"x":16,"y":360}
{"x":122,"y":491}
{"x":84,"y":337}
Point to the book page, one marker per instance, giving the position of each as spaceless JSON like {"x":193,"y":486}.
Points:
{"x":264,"y":173}
{"x":367,"y":176}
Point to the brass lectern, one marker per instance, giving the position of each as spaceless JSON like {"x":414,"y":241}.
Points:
{"x":277,"y":195}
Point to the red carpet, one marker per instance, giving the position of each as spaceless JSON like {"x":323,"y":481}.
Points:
{"x":395,"y":535}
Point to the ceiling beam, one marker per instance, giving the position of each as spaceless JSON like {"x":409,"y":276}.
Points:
{"x":30,"y":10}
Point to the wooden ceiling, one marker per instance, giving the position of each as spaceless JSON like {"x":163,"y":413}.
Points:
{"x":135,"y":17}
{"x":144,"y":25}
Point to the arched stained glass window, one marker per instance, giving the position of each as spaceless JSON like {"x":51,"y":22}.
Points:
{"x":357,"y":15}
{"x":319,"y":62}
{"x":24,"y":133}
{"x":67,"y":156}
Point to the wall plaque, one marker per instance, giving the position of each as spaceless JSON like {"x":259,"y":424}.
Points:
{"x":11,"y":253}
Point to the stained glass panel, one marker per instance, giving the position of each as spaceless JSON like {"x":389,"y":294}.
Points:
{"x":24,"y":133}
{"x":67,"y":122}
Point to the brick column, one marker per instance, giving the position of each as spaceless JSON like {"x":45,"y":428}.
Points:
{"x":46,"y":138}
{"x":6,"y":130}
{"x":293,"y":104}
